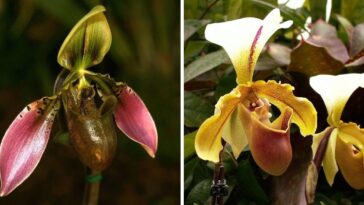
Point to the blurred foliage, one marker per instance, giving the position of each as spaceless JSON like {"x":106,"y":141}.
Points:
{"x":332,"y":47}
{"x":144,"y":54}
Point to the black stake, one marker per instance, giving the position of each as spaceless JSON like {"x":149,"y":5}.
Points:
{"x":219,"y":188}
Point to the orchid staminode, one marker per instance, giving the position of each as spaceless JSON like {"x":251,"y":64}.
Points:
{"x":345,"y":145}
{"x":91,"y":102}
{"x":242,"y":116}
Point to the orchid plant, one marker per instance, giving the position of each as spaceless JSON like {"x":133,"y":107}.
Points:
{"x":248,"y":136}
{"x":345,"y":140}
{"x":242,"y":117}
{"x":90,"y":102}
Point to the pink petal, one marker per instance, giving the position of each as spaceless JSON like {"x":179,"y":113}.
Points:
{"x":133,"y":118}
{"x":25,"y":141}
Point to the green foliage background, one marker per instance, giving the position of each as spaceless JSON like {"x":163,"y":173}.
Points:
{"x":209,"y":75}
{"x":144,"y":54}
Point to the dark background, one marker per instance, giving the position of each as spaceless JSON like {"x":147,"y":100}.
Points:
{"x":145,"y":54}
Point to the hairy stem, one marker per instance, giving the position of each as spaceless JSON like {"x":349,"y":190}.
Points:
{"x":92,"y":187}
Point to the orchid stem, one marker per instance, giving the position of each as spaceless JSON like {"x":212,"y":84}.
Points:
{"x":92,"y":187}
{"x":218,"y":188}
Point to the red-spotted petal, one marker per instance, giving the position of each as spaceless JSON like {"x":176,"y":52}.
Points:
{"x":133,"y":118}
{"x":25,"y":141}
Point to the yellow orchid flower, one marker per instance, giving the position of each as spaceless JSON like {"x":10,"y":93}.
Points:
{"x":242,"y":117}
{"x":346,"y":142}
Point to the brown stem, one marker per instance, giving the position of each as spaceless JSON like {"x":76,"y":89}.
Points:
{"x":219,"y":176}
{"x":92,"y":188}
{"x":207,"y":9}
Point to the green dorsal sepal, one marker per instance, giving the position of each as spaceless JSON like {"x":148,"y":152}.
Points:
{"x":87,"y":43}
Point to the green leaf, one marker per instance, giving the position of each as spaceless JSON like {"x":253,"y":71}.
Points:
{"x":353,"y":10}
{"x":192,"y":26}
{"x":311,"y":60}
{"x":231,"y":183}
{"x":201,"y":172}
{"x":188,"y":171}
{"x":205,"y":63}
{"x":189,"y":144}
{"x":235,"y":9}
{"x":87,"y":43}
{"x":296,"y":16}
{"x":193,"y":48}
{"x":345,"y":23}
{"x":192,"y":9}
{"x":226,"y":83}
{"x":196,"y":109}
{"x":249,"y":184}
{"x":247,"y":8}
{"x":318,"y":9}
{"x":200,"y":193}
{"x":229,"y":161}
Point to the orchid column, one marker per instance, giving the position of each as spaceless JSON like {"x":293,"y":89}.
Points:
{"x":242,"y":116}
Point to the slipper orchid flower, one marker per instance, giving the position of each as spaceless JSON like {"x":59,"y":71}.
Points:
{"x":242,"y":117}
{"x":89,"y":100}
{"x":345,"y":146}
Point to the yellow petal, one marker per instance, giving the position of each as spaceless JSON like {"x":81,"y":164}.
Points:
{"x":351,"y":133}
{"x":335,"y":91}
{"x":281,"y":95}
{"x":234,"y":134}
{"x":329,"y":161}
{"x":208,"y":137}
{"x":87,"y":43}
{"x":269,"y":143}
{"x":243,"y":40}
{"x":349,"y":154}
{"x":316,"y":140}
